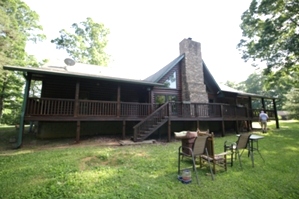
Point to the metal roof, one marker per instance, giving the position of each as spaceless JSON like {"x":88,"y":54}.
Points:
{"x":150,"y":81}
{"x":55,"y":71}
{"x":225,"y":88}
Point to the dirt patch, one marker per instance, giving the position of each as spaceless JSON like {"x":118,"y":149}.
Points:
{"x":8,"y":140}
{"x":30,"y":141}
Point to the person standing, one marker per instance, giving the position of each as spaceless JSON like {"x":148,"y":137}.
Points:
{"x":263,"y":117}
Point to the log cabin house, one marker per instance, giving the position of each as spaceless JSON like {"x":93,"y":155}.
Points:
{"x":183,"y":95}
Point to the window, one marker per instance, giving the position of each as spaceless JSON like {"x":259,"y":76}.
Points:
{"x":35,"y":88}
{"x":171,"y":81}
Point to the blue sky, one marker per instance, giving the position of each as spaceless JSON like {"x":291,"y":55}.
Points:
{"x":145,"y":35}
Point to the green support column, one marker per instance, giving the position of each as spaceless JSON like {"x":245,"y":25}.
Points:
{"x":21,"y":129}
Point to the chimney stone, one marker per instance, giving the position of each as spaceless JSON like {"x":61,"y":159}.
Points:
{"x":193,"y":87}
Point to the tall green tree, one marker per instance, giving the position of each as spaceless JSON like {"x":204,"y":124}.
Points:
{"x":271,"y":35}
{"x":18,"y":24}
{"x":292,"y":104}
{"x":86,"y":44}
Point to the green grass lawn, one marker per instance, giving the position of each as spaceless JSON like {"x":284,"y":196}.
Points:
{"x":148,"y":171}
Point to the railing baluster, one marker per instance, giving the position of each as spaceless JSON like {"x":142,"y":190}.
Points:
{"x":65,"y":107}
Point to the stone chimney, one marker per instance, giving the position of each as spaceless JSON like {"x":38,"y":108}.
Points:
{"x":193,"y":87}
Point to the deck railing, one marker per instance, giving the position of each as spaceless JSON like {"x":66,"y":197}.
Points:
{"x":97,"y":108}
{"x":50,"y":106}
{"x":68,"y":107}
{"x":65,"y":107}
{"x":129,"y":109}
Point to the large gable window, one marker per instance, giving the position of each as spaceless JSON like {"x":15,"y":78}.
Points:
{"x":171,"y":81}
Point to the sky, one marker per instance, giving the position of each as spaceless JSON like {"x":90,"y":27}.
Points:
{"x":145,"y":34}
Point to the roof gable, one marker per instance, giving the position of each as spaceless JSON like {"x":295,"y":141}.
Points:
{"x":209,"y":79}
{"x":163,"y":71}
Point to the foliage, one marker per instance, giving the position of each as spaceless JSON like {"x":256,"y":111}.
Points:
{"x":257,"y":83}
{"x":86,"y":44}
{"x":12,"y":97}
{"x":19,"y":24}
{"x":237,"y":86}
{"x":148,"y":171}
{"x":292,"y":104}
{"x":270,"y":31}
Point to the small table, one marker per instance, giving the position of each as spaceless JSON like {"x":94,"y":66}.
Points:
{"x":254,"y":138}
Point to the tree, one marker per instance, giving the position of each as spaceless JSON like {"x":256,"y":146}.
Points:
{"x":12,"y":97}
{"x":292,"y":104}
{"x":271,"y":34}
{"x":257,"y":83}
{"x":19,"y":24}
{"x":235,"y":85}
{"x":86,"y":44}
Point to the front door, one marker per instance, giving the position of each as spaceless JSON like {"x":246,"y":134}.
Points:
{"x":160,"y":99}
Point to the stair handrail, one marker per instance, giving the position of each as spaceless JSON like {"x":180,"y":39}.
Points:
{"x":136,"y":127}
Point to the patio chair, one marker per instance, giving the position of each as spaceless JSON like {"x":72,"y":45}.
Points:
{"x":238,"y":147}
{"x":215,"y":159}
{"x":198,"y":149}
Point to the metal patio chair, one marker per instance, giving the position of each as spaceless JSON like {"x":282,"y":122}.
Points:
{"x":198,"y":149}
{"x":238,"y":147}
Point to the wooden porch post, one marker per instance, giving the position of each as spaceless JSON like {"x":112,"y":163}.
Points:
{"x":275,"y":113}
{"x":250,"y":114}
{"x":247,"y":121}
{"x":237,"y":126}
{"x":152,"y":101}
{"x":150,"y":108}
{"x":263,"y":104}
{"x":78,"y":131}
{"x":118,"y":101}
{"x":223,"y":126}
{"x":248,"y":126}
{"x":169,"y":130}
{"x":124,"y":129}
{"x":169,"y":109}
{"x":76,"y":110}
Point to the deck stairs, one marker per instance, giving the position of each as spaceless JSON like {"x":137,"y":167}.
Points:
{"x":151,"y":123}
